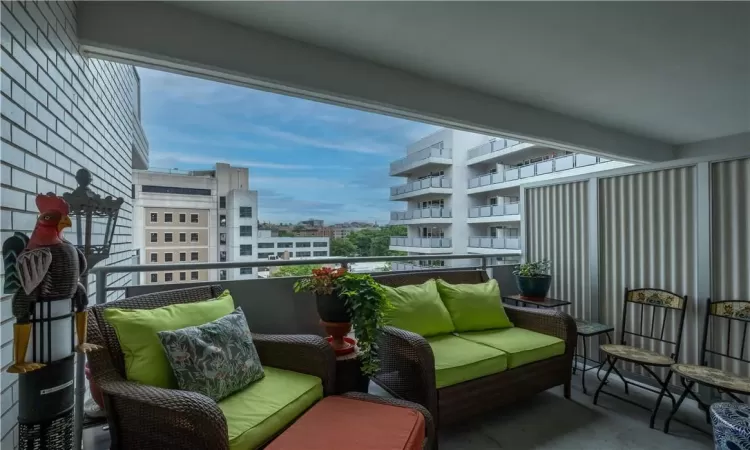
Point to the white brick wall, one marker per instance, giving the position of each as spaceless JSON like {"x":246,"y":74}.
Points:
{"x":60,"y":112}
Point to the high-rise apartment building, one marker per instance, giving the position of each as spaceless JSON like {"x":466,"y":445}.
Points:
{"x":195,"y":216}
{"x":462,"y":191}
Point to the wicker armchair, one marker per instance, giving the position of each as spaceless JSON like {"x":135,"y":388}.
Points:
{"x":146,"y":417}
{"x":407,"y":364}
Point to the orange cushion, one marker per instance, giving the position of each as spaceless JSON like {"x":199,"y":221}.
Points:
{"x":338,"y":422}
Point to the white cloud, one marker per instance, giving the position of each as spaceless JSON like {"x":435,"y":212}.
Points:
{"x":175,"y":158}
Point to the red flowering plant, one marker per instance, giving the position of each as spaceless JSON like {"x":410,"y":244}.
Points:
{"x":321,"y":282}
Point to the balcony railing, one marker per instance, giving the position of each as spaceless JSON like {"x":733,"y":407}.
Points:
{"x":558,"y":164}
{"x":421,"y":213}
{"x":408,"y":267}
{"x":413,"y":159}
{"x":427,"y":183}
{"x":506,"y":243}
{"x":491,"y":147}
{"x":507,"y":209}
{"x":398,"y":241}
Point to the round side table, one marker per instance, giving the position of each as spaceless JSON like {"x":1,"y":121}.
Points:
{"x":349,"y":376}
{"x":731,"y":423}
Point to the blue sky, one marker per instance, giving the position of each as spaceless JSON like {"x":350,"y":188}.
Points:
{"x":306,"y":159}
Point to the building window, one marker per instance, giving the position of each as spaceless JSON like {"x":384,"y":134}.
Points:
{"x":168,"y":276}
{"x":282,"y":254}
{"x":222,"y":256}
{"x":154,"y":277}
{"x":193,"y":218}
{"x":193,"y":237}
{"x":222,"y":220}
{"x":318,"y":253}
{"x":168,"y":217}
{"x":302,"y":244}
{"x":246,"y":271}
{"x":265,"y":244}
{"x":246,"y":230}
{"x":320,"y":244}
{"x":222,"y":238}
{"x":167,"y":237}
{"x":183,"y":218}
{"x":183,"y":237}
{"x":301,"y":254}
{"x":167,"y":257}
{"x":222,"y":275}
{"x":183,"y":257}
{"x":194,"y":275}
{"x":246,"y":249}
{"x":193,"y":256}
{"x":182,"y":276}
{"x":154,"y":237}
{"x":175,"y":190}
{"x":284,"y":245}
{"x":154,"y":257}
{"x":222,"y":202}
{"x":246,"y":211}
{"x":154,"y":217}
{"x":264,"y":255}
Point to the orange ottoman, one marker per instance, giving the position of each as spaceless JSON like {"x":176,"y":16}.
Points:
{"x":354,"y":423}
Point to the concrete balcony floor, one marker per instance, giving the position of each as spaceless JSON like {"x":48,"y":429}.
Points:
{"x":548,"y":421}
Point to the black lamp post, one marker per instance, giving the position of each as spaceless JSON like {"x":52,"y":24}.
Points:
{"x":91,"y":213}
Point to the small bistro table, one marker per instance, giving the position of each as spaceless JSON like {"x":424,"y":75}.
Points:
{"x":585,"y":330}
{"x":546,"y":302}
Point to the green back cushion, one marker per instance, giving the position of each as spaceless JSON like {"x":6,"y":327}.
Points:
{"x":418,"y":308}
{"x":474,"y":307}
{"x":145,"y":360}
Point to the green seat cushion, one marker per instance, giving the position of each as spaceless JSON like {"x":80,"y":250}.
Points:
{"x":522,"y":346}
{"x":145,"y":360}
{"x":258,"y":412}
{"x":458,"y":360}
{"x":474,"y":307}
{"x":418,"y":308}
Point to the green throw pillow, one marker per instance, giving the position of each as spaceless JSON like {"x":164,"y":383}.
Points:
{"x":145,"y":361}
{"x":418,"y":308}
{"x":474,"y":307}
{"x":215,"y":359}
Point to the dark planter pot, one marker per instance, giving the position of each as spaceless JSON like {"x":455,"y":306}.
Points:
{"x":534,"y":287}
{"x":332,"y":308}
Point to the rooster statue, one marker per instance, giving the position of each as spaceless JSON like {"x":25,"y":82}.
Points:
{"x":44,"y":268}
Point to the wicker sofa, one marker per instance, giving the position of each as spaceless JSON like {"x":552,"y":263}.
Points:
{"x":408,"y":363}
{"x":146,"y":417}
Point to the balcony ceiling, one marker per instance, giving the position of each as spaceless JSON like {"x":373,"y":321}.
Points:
{"x":674,"y":72}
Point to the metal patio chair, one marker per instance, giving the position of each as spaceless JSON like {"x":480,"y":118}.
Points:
{"x":657,"y":300}
{"x":729,"y":312}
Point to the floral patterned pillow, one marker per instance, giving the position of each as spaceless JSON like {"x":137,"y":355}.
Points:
{"x":216,"y":359}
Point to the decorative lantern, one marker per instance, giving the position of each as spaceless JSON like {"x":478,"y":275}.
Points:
{"x":93,"y":216}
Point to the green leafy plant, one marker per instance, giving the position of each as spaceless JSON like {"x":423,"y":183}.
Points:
{"x":533,"y":269}
{"x":365,"y":302}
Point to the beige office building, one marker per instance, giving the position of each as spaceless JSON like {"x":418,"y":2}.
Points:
{"x":195,"y":216}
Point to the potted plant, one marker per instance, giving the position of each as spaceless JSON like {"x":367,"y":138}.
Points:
{"x":533,"y":279}
{"x":357,"y":299}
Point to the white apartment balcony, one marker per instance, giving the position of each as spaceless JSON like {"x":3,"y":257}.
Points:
{"x":508,"y":212}
{"x":430,"y":245}
{"x":489,"y":244}
{"x":421,"y":216}
{"x":425,"y":158}
{"x":494,"y":150}
{"x":562,"y":166}
{"x":427,"y":186}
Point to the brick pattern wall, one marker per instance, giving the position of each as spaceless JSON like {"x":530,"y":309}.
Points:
{"x":60,"y":111}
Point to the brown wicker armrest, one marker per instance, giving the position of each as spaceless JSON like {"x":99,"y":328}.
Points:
{"x":407,"y":367}
{"x":429,"y":442}
{"x":554,"y":323}
{"x":150,"y":417}
{"x":308,"y":354}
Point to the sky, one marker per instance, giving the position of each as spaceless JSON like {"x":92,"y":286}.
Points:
{"x":306,"y":159}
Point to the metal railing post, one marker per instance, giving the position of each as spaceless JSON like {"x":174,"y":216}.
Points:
{"x":101,"y":287}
